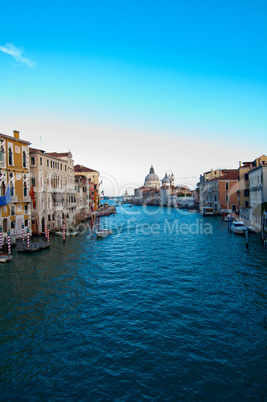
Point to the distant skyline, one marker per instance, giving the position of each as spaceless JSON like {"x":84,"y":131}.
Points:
{"x":180,"y":85}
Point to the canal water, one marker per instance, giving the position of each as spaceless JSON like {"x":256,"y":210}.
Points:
{"x":169,"y":307}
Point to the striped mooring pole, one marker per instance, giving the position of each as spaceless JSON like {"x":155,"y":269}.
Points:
{"x":46,"y":231}
{"x":28,"y":238}
{"x":64,"y":233}
{"x":8,"y":243}
{"x":22,"y":233}
{"x":1,"y":238}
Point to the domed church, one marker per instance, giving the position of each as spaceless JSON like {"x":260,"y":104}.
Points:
{"x":152,"y":180}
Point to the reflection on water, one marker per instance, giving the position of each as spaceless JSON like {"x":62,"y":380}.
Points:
{"x":146,"y":313}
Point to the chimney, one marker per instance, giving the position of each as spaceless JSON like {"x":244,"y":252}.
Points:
{"x":16,"y":134}
{"x":240,"y":164}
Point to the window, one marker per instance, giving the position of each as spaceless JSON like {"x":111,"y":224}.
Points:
{"x":246,"y":193}
{"x":246,"y":204}
{"x":11,"y":190}
{"x":65,"y":168}
{"x":47,"y":163}
{"x":1,"y":153}
{"x":13,"y":224}
{"x":33,"y":160}
{"x":246,"y":176}
{"x":3,"y":189}
{"x":24,"y":162}
{"x":41,"y":161}
{"x":25,"y":190}
{"x":26,"y":222}
{"x":61,"y":166}
{"x":26,"y":209}
{"x":226,"y":197}
{"x":49,"y":218}
{"x":10,"y":156}
{"x":51,"y":164}
{"x":33,"y":181}
{"x":12,"y":210}
{"x":226,"y":186}
{"x":53,"y":217}
{"x":215,"y":198}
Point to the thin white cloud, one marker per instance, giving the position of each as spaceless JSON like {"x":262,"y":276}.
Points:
{"x":12,"y":50}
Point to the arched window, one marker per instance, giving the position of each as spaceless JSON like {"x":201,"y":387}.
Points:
{"x":1,"y":153}
{"x":10,"y":156}
{"x":25,"y":189}
{"x":3,"y":189}
{"x":24,"y":164}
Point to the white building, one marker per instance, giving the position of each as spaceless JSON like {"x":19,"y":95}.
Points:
{"x":258,"y":193}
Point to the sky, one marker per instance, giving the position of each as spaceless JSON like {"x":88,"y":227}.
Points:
{"x":125,"y":84}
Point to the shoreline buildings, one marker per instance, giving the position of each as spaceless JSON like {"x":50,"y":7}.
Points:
{"x":42,"y":189}
{"x":165,"y":194}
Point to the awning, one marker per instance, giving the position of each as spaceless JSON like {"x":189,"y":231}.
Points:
{"x":58,"y":197}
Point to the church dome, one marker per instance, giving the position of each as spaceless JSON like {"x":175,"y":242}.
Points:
{"x":166,"y":180}
{"x":152,"y":180}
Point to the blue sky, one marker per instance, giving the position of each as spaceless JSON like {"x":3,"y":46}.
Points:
{"x":180,"y":84}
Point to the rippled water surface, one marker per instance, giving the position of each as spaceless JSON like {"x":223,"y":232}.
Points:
{"x":169,"y":307}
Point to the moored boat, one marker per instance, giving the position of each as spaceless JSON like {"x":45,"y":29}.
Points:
{"x":5,"y":257}
{"x":238,"y":227}
{"x":67,"y":233}
{"x":103,"y":232}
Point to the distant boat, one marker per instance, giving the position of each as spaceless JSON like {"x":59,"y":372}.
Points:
{"x":103,"y":232}
{"x":67,"y":233}
{"x":238,"y":227}
{"x":5,"y":257}
{"x":207,"y":211}
{"x":33,"y":246}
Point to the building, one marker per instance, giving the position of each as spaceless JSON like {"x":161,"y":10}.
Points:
{"x":93,"y":177}
{"x":84,"y":197}
{"x":15,"y":185}
{"x":218,"y":190}
{"x":258,"y":193}
{"x":53,"y":191}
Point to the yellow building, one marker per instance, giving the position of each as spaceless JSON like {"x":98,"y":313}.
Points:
{"x":14,"y":181}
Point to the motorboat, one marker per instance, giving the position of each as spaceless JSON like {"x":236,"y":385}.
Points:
{"x":228,"y":217}
{"x":103,"y":232}
{"x":238,"y":227}
{"x":5,"y":257}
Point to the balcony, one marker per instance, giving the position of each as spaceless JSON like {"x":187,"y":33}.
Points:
{"x":27,"y":198}
{"x":14,"y":199}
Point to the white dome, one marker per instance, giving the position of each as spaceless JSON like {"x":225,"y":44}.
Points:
{"x":152,"y":180}
{"x":166,"y":180}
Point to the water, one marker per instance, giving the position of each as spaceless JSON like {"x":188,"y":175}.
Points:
{"x":156,"y":311}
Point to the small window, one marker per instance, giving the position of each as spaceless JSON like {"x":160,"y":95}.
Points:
{"x":26,"y":222}
{"x":26,"y":209}
{"x":13,"y":224}
{"x":25,"y":190}
{"x":32,"y":160}
{"x":47,"y":163}
{"x":33,"y":181}
{"x":246,"y":176}
{"x":11,"y":190}
{"x":24,"y":162}
{"x":1,"y":153}
{"x":65,"y":168}
{"x":246,"y":204}
{"x":41,"y":161}
{"x":226,"y":198}
{"x":246,"y":192}
{"x":10,"y":156}
{"x":12,"y":210}
{"x":61,"y":166}
{"x":226,"y":186}
{"x":51,"y":164}
{"x":53,"y":217}
{"x":49,"y":218}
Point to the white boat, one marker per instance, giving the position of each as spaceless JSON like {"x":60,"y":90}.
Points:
{"x":103,"y":232}
{"x":67,"y":233}
{"x":228,"y":217}
{"x":5,"y":257}
{"x":238,"y":227}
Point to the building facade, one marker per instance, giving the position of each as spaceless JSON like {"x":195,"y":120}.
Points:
{"x":15,"y":185}
{"x":53,"y":190}
{"x":93,"y":177}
